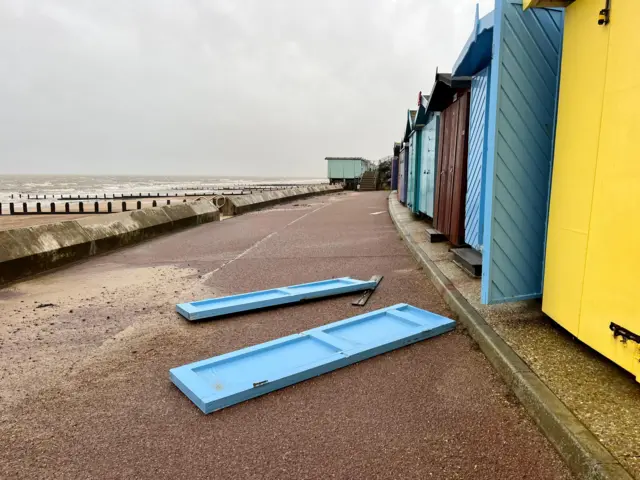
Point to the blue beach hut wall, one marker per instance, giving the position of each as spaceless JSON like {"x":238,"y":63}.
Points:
{"x":428,"y":158}
{"x":513,"y":57}
{"x":403,"y":164}
{"x":475,"y":61}
{"x":402,"y":185}
{"x":415,"y":188}
{"x":411,"y":167}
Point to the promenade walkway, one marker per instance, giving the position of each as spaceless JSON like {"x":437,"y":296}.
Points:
{"x":85,"y":390}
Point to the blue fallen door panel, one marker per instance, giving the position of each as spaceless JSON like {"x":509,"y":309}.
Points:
{"x":523,"y":93}
{"x":234,"y":377}
{"x":214,"y":307}
{"x":473,"y":218}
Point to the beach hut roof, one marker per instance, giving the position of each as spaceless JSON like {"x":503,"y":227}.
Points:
{"x":476,"y":54}
{"x":411,"y":117}
{"x":444,"y":88}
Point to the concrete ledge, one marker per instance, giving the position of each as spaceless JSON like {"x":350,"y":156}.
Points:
{"x":248,"y":203}
{"x":579,"y":448}
{"x":31,"y":250}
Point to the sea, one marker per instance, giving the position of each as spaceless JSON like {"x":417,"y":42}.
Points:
{"x":56,"y":185}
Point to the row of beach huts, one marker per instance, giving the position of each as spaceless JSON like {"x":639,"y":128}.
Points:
{"x":526,"y":158}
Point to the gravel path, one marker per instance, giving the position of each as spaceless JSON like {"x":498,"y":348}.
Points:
{"x":85,"y":391}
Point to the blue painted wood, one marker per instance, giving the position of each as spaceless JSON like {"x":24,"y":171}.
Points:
{"x":394,"y":173}
{"x":415,"y":208}
{"x":429,"y":154}
{"x":215,"y":307}
{"x":411,"y":179}
{"x":234,"y":377}
{"x":402,"y":175}
{"x":523,"y":96}
{"x":476,"y":54}
{"x":415,"y":169}
{"x":476,"y":160}
{"x":422,"y":173}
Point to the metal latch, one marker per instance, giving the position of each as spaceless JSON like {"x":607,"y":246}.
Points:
{"x":619,"y":331}
{"x":603,"y":16}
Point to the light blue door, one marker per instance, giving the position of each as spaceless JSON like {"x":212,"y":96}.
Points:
{"x":417,"y":170}
{"x":234,"y":377}
{"x":424,"y":169}
{"x":523,"y":95}
{"x":429,"y":156}
{"x":411,"y":172}
{"x":476,"y":160}
{"x":402,"y":181}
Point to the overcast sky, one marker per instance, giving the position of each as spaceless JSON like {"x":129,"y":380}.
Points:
{"x":215,"y":87}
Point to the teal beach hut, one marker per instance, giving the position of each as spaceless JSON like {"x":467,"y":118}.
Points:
{"x":419,"y":186}
{"x":403,"y":161}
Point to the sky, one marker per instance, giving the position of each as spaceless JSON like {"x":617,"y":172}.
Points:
{"x":215,"y":87}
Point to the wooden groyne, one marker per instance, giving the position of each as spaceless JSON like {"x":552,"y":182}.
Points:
{"x":78,"y":207}
{"x":186,"y":192}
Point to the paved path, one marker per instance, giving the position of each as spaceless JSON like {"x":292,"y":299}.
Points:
{"x":84,"y":387}
{"x":570,"y":387}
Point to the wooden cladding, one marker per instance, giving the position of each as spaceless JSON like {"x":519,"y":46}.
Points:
{"x":451,"y":185}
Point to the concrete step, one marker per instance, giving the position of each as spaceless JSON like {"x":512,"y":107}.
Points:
{"x":368,"y":181}
{"x":435,"y":236}
{"x":469,"y":260}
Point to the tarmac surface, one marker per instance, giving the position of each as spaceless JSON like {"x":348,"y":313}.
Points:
{"x":603,"y":396}
{"x":85,"y":353}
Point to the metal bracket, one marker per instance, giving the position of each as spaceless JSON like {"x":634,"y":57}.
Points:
{"x":619,"y":331}
{"x":603,"y":16}
{"x":362,"y":301}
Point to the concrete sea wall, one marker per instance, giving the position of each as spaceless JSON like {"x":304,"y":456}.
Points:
{"x":31,"y":250}
{"x":247,"y":203}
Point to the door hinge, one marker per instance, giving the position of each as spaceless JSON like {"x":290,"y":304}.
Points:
{"x":619,"y":331}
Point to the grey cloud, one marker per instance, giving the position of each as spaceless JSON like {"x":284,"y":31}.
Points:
{"x":220,"y":87}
